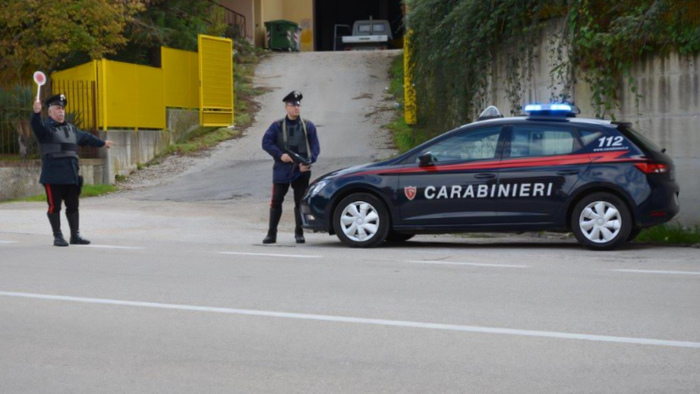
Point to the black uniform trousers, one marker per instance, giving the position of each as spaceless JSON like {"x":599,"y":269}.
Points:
{"x":279,"y":190}
{"x":56,"y":194}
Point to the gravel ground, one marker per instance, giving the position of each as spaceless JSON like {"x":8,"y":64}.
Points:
{"x":161,"y":171}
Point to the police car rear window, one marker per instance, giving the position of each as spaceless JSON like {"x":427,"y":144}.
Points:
{"x":638,"y":138}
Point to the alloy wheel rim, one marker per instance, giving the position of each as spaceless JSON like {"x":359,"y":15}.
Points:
{"x":600,"y":222}
{"x":359,"y":221}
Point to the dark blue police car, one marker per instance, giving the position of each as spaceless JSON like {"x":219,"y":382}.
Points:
{"x":548,"y":170}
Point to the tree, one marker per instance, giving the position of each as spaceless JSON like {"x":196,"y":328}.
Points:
{"x":41,"y":34}
{"x":171,"y":23}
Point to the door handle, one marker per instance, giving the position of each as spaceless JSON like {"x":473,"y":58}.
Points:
{"x":485,"y":176}
{"x":567,"y":172}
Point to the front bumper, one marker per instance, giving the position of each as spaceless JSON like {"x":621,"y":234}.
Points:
{"x":313,"y":217}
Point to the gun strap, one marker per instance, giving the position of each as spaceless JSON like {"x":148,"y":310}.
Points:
{"x":306,"y":136}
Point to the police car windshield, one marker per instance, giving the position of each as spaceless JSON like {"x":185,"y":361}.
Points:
{"x":638,"y":138}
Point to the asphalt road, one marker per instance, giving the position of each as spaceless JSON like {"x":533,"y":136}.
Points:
{"x":440,"y":314}
{"x":178,"y":295}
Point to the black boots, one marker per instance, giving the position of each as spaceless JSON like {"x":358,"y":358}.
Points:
{"x":298,"y":231}
{"x":299,"y":236}
{"x":55,"y":220}
{"x":74,"y":224}
{"x":270,"y":238}
{"x":275,"y":215}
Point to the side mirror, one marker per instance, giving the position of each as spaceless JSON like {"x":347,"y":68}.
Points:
{"x":425,"y":160}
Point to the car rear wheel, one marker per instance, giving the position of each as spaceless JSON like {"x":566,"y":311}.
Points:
{"x":601,"y":221}
{"x":633,"y":234}
{"x":361,"y":221}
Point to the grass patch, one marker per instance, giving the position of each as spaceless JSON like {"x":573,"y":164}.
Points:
{"x":397,"y":75}
{"x":200,"y":139}
{"x":88,"y":191}
{"x":98,"y":190}
{"x":670,"y":234}
{"x":246,"y":59}
{"x":405,"y":136}
{"x":15,"y":158}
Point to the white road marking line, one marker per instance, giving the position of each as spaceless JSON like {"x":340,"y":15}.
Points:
{"x":272,"y":255}
{"x":659,"y":272}
{"x":358,"y":320}
{"x":111,"y":247}
{"x":468,"y":264}
{"x":3,"y":242}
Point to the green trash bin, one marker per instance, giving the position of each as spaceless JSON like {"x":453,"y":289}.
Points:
{"x":282,"y":35}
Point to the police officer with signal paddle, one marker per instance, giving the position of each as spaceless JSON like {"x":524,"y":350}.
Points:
{"x":58,"y":144}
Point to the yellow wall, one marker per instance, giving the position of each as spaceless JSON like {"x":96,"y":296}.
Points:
{"x":84,"y":72}
{"x":272,"y":10}
{"x":298,"y":11}
{"x":259,"y":33}
{"x":135,"y":97}
{"x":302,"y":12}
{"x":181,"y":78}
{"x":216,"y":81}
{"x":78,"y":84}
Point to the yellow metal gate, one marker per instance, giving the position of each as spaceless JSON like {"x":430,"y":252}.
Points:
{"x":215,"y":81}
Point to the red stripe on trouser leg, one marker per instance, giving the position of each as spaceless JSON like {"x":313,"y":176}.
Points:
{"x":272,"y":199}
{"x":49,"y":197}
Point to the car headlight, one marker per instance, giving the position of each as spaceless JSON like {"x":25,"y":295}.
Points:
{"x":317,"y":187}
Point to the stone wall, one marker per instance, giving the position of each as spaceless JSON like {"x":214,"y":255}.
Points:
{"x":21,"y":179}
{"x":131,"y":148}
{"x":667,"y":110}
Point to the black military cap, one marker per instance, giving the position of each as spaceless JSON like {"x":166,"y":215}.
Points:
{"x":59,"y":99}
{"x":293,"y":97}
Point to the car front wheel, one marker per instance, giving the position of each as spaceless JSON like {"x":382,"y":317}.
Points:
{"x":601,"y":221}
{"x":361,"y":221}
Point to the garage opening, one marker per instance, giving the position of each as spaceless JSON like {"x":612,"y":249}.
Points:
{"x":329,"y":13}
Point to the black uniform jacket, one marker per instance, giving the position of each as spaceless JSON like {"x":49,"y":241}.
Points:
{"x":272,"y":142}
{"x":58,"y":143}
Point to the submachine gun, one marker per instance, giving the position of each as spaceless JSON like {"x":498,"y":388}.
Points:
{"x":297,"y":158}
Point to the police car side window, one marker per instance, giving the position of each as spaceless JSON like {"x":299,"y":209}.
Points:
{"x":590,"y":137}
{"x":536,"y":140}
{"x":470,"y":145}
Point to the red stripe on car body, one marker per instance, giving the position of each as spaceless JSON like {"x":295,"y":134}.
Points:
{"x":559,"y":160}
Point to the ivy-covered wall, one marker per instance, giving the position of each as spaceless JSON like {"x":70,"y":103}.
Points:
{"x":665,"y":106}
{"x":635,"y":60}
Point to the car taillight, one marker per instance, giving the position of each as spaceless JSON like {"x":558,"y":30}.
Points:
{"x":653,"y":168}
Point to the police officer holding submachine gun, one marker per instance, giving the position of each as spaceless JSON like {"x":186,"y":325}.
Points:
{"x":293,"y":144}
{"x":58,"y":144}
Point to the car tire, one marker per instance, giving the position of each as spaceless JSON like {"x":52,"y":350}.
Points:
{"x":398,"y":237}
{"x":633,"y":234}
{"x":601,"y":221}
{"x":361,"y":220}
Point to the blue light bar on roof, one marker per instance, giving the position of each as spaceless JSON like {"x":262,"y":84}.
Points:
{"x":548,"y":107}
{"x":561,"y":107}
